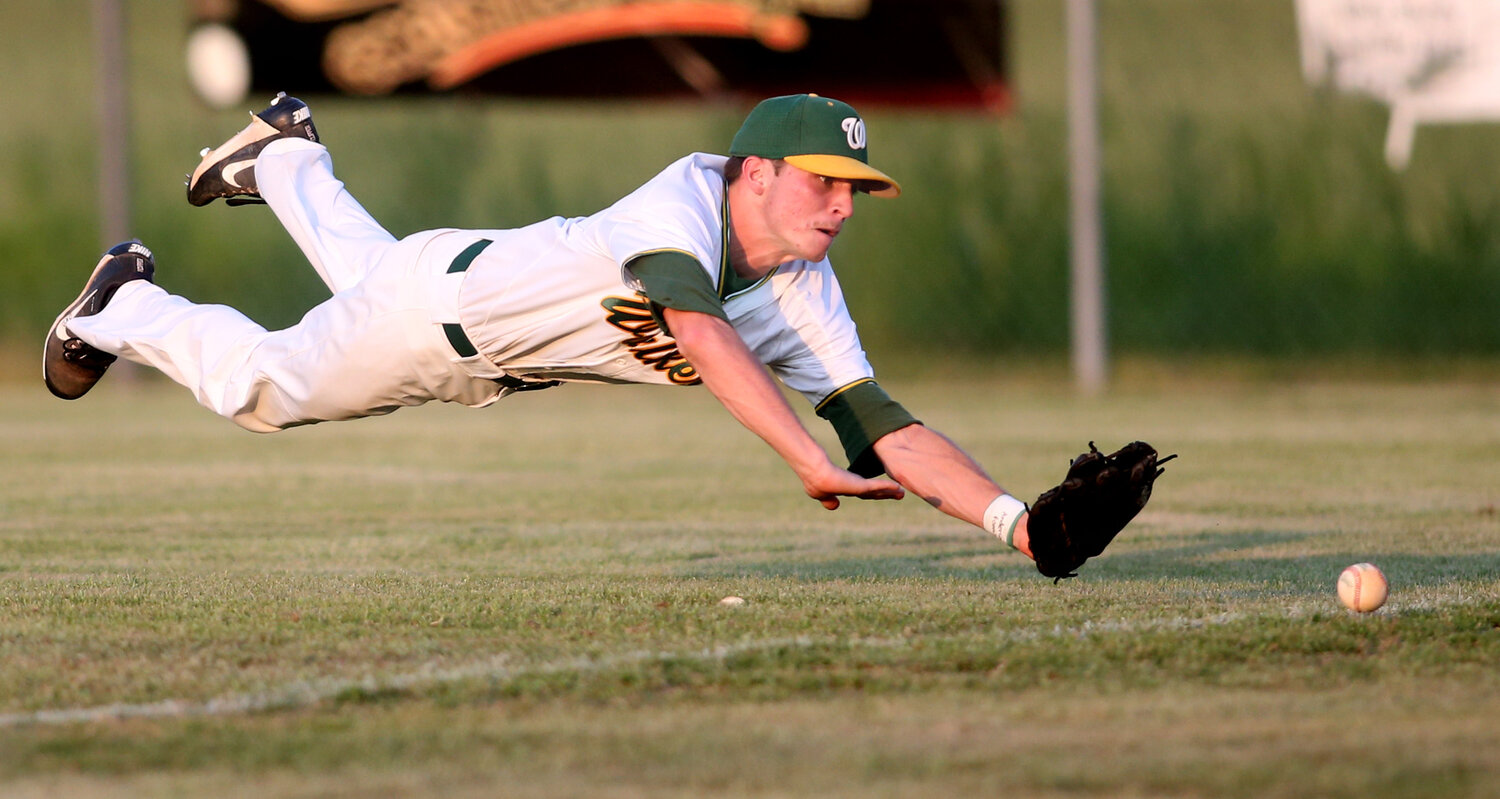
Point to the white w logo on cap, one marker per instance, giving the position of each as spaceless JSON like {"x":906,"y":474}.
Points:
{"x":854,"y":129}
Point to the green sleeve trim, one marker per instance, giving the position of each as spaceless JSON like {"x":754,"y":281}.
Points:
{"x":674,"y":279}
{"x":861,"y":413}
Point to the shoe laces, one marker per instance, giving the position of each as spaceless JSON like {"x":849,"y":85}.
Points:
{"x":77,"y":352}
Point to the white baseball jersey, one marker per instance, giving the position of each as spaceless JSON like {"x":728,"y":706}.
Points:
{"x":557,"y":300}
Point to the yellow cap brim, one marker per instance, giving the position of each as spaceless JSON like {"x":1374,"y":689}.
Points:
{"x":877,"y":183}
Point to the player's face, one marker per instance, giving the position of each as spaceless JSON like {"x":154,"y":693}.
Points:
{"x":806,"y":211}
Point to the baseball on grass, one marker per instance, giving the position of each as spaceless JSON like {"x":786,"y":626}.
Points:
{"x":732,"y":601}
{"x":1362,"y":587}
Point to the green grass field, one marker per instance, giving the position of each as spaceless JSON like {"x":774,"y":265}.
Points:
{"x":524,"y":601}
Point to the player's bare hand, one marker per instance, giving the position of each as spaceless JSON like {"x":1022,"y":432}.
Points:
{"x":829,"y":486}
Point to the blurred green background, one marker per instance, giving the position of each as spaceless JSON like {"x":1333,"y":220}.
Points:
{"x":1247,"y":214}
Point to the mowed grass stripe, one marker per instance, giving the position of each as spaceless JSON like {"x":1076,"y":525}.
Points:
{"x":499,"y":669}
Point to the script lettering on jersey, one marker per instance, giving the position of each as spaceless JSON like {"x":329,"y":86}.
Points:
{"x":646,"y":341}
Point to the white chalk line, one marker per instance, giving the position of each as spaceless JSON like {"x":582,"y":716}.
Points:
{"x":308,"y":693}
{"x":500,"y":668}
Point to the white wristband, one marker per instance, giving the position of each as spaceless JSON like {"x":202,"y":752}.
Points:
{"x":1001,"y":517}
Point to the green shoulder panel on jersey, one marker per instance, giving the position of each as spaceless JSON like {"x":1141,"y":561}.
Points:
{"x":861,"y":413}
{"x":674,"y":279}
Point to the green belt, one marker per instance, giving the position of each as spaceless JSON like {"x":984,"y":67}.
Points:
{"x":460,"y":340}
{"x":455,"y":332}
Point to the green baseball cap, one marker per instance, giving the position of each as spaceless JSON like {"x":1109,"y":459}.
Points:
{"x":818,"y":134}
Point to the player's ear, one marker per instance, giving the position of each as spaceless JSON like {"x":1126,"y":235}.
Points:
{"x":758,"y":173}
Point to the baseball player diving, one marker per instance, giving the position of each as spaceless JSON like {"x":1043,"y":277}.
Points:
{"x":715,"y":271}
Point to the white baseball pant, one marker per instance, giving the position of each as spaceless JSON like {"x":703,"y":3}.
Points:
{"x":376,"y":345}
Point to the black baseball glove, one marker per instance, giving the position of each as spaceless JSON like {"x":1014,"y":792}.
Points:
{"x":1099,"y":496}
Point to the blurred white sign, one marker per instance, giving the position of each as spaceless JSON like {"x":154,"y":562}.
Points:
{"x":1431,"y":60}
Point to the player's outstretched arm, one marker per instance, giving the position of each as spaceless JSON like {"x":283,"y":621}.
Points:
{"x":738,"y":380}
{"x":937,"y":470}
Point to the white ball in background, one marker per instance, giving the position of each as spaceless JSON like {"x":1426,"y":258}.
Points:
{"x":218,"y":65}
